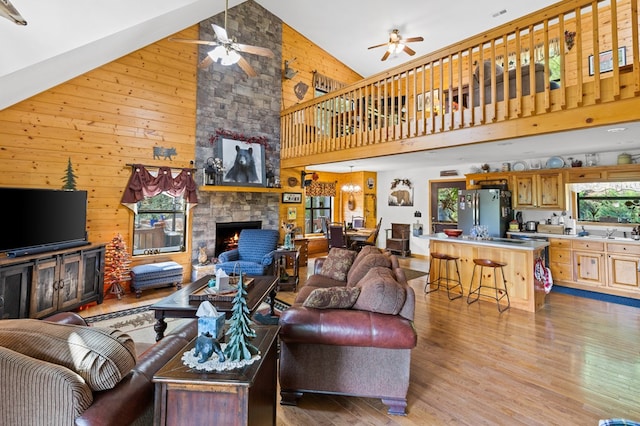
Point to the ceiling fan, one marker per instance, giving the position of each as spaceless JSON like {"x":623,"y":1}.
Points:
{"x":7,"y":10}
{"x":227,"y":49}
{"x":397,"y":44}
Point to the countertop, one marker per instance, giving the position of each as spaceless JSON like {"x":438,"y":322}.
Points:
{"x":590,"y":237}
{"x":505,"y":243}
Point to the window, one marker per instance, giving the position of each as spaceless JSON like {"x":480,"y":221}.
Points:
{"x":317,"y":214}
{"x":160,"y":225}
{"x":608,"y":202}
{"x":444,"y":204}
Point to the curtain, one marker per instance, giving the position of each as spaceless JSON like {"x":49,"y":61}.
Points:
{"x":326,"y":84}
{"x":321,"y":189}
{"x":143,"y":184}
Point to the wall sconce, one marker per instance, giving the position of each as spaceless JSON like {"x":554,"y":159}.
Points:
{"x":304,"y":182}
{"x":289,"y":73}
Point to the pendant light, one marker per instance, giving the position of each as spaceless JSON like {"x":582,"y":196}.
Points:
{"x":351,"y":187}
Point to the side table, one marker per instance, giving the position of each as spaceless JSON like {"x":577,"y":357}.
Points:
{"x":244,"y":396}
{"x":287,"y":278}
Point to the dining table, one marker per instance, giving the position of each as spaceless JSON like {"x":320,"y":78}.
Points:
{"x":358,"y":235}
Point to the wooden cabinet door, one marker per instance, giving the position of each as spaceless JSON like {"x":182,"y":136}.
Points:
{"x":524,"y":191}
{"x":44,"y":286}
{"x":623,"y":272}
{"x":92,"y":277}
{"x":588,"y":267}
{"x":550,"y":191}
{"x":69,"y":284}
{"x":14,"y":284}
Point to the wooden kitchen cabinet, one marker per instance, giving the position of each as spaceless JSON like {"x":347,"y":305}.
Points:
{"x":544,"y":190}
{"x":622,"y":266}
{"x":588,"y":262}
{"x":560,"y":259}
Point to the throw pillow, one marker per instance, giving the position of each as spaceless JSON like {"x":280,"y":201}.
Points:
{"x":380,"y":292}
{"x":337,"y":263}
{"x":332,"y":298}
{"x":357,"y":272}
{"x":101,"y":356}
{"x":366,"y":250}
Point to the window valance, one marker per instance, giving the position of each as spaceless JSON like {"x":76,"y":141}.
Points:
{"x":144,"y":184}
{"x":326,"y":84}
{"x":321,"y":189}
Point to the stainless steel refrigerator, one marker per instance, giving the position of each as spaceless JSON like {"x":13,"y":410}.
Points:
{"x":488,"y":207}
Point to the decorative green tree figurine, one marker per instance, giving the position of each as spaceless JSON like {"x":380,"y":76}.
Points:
{"x":239,"y":332}
{"x":70,"y":178}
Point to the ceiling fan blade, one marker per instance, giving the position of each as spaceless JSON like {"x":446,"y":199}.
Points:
{"x":408,"y":50}
{"x":262,"y":51}
{"x":378,"y":45}
{"x":412,"y":39}
{"x":205,"y":62}
{"x":246,"y":67}
{"x":221,"y":33}
{"x":205,"y":42}
{"x":385,"y":56}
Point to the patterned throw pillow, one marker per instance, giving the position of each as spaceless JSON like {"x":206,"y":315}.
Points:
{"x":332,"y":298}
{"x":380,"y":292}
{"x":337,"y":263}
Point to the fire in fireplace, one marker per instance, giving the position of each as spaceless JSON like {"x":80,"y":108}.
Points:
{"x":227,"y":234}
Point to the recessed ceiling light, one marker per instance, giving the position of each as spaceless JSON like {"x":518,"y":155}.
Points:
{"x":505,"y":143}
{"x":501,"y":12}
{"x":616,"y":129}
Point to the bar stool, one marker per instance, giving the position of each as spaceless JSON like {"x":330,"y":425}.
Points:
{"x":500,"y":292}
{"x":443,"y":260}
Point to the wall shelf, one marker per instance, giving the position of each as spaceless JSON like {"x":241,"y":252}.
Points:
{"x":224,"y":188}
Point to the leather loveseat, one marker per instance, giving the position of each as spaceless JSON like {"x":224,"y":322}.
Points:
{"x":525,"y":72}
{"x":37,"y":390}
{"x":362,"y":350}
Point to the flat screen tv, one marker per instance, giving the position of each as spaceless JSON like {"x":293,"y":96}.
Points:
{"x":39,"y":220}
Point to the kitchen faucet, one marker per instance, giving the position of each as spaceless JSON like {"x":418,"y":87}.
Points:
{"x":610,"y":232}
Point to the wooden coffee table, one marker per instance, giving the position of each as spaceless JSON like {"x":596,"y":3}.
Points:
{"x":244,"y":396}
{"x":179,"y":305}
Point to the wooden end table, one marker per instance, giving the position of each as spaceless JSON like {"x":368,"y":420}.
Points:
{"x":281,"y":259}
{"x":244,"y":396}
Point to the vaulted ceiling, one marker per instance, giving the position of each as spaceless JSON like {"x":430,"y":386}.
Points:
{"x":65,"y":38}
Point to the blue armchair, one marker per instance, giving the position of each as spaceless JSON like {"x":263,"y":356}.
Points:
{"x":254,"y":254}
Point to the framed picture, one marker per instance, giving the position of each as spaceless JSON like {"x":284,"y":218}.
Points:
{"x":424,"y":100}
{"x":292,"y":197}
{"x":243,"y":162}
{"x":606,"y":60}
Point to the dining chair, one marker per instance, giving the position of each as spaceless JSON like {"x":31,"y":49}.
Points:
{"x":337,"y":237}
{"x":357,"y":222}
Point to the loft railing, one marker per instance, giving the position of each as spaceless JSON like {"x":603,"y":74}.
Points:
{"x":555,"y":51}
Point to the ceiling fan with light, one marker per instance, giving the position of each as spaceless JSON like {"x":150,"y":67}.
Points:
{"x":227,"y":49}
{"x":397,"y":44}
{"x":7,"y":10}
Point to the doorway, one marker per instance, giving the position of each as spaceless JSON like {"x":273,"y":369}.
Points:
{"x":444,"y":203}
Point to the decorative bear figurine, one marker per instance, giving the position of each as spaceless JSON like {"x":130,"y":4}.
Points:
{"x":206,"y":345}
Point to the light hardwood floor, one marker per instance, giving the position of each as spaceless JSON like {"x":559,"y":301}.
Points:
{"x":572,"y":363}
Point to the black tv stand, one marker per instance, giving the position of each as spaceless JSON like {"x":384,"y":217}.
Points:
{"x":43,"y":249}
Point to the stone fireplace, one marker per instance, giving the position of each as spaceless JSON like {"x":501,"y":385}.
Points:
{"x":227,"y":234}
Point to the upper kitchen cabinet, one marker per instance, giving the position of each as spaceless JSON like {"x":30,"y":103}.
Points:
{"x":539,"y":190}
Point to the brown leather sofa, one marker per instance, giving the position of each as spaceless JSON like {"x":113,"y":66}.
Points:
{"x":357,"y":351}
{"x":130,"y":401}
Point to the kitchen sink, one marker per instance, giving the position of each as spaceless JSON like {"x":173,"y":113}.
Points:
{"x":602,"y":237}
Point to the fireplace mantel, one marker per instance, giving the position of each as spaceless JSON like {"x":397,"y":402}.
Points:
{"x":218,"y":188}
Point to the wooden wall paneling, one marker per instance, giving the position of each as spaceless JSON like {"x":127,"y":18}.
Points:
{"x":102,"y":120}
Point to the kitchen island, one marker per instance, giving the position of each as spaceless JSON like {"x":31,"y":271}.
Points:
{"x":525,"y":292}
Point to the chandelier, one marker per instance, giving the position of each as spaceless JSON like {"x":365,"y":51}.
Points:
{"x":351,"y":187}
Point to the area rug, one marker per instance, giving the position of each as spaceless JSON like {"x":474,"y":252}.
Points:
{"x":263,"y":315}
{"x":137,"y":323}
{"x":412,"y":273}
